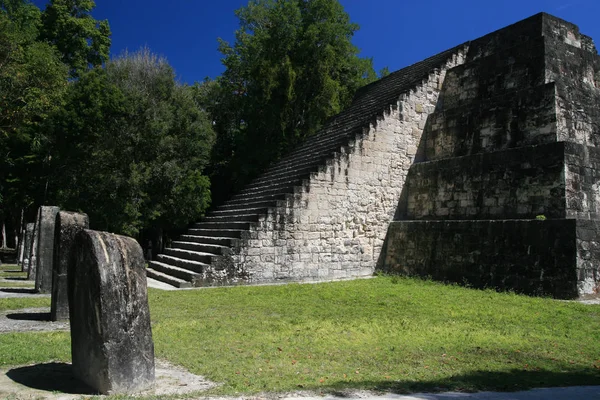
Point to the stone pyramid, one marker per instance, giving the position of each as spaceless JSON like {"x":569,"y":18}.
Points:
{"x":478,"y":165}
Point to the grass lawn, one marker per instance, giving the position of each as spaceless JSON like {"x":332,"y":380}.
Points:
{"x":385,"y":333}
{"x":12,"y":277}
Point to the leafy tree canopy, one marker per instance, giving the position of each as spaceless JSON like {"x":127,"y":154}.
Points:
{"x":131,"y":145}
{"x":81,"y":40}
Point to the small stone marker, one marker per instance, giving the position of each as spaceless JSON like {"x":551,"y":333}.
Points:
{"x":20,"y":248}
{"x":45,"y":248}
{"x":67,"y":225}
{"x":31,"y":274}
{"x":27,"y":247}
{"x":111,"y":338}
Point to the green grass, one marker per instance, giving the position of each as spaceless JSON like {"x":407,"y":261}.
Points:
{"x":11,"y":271}
{"x":16,"y":277}
{"x":385,"y":333}
{"x":17,"y":303}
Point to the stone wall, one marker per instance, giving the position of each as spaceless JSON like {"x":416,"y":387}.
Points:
{"x":509,"y":120}
{"x":582,"y":169}
{"x":588,"y":254}
{"x":527,"y":256}
{"x":515,"y":183}
{"x":334,"y":225}
{"x":516,"y":135}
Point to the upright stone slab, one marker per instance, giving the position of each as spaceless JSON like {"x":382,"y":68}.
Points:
{"x":27,"y":247}
{"x":32,"y":273}
{"x":20,"y":248}
{"x":45,"y":250}
{"x":67,"y":225}
{"x":111,"y":338}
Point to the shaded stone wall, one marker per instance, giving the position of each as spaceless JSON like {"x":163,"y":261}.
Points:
{"x":527,"y":256}
{"x":334,"y":226}
{"x":515,"y":183}
{"x":582,"y":176}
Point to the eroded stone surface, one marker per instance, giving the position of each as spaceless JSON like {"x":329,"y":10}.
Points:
{"x":111,"y":339}
{"x":31,"y":274}
{"x":45,"y":248}
{"x":27,"y":247}
{"x":67,"y":225}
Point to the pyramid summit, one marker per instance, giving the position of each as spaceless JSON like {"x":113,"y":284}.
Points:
{"x":478,"y":165}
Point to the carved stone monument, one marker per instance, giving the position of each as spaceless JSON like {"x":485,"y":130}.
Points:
{"x":111,"y":338}
{"x":68,"y":224}
{"x":32,"y":272}
{"x":45,"y":248}
{"x":27,"y":247}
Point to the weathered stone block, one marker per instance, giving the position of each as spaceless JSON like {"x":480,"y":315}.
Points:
{"x":27,"y":247}
{"x":67,"y":225}
{"x":31,"y":274}
{"x":45,"y":248}
{"x":111,"y":338}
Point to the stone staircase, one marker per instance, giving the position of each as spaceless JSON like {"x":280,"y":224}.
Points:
{"x":439,"y":169}
{"x":186,"y":263}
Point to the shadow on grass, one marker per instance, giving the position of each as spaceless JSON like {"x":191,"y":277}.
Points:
{"x":510,"y":381}
{"x":29,"y":316}
{"x":19,"y":290}
{"x":16,"y":278}
{"x":12,"y":271}
{"x":50,"y":377}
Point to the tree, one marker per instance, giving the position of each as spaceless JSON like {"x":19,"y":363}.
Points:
{"x":81,"y":40}
{"x":292,"y":67}
{"x":32,"y":84}
{"x":130,"y":147}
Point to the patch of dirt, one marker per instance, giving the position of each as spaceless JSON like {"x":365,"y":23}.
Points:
{"x":30,"y":320}
{"x":56,"y":381}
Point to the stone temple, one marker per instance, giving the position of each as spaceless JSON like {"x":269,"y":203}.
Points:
{"x":479,"y":165}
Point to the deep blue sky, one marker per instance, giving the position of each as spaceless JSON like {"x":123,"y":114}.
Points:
{"x":395,"y":33}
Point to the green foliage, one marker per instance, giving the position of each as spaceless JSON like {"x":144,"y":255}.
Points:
{"x":383,"y":72}
{"x":291,"y":67}
{"x":130,"y":147}
{"x":33,"y":82}
{"x":81,"y":40}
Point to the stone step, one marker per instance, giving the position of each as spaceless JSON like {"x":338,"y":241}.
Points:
{"x":309,"y":151}
{"x":207,"y":240}
{"x":267,"y":190}
{"x":235,"y":206}
{"x":201,"y":247}
{"x":175,"y":271}
{"x":193,"y":266}
{"x":232,"y":217}
{"x":302,"y":163}
{"x":324,"y":139}
{"x":189,"y":255}
{"x":291,"y":176}
{"x":282,"y":183}
{"x":171,"y":280}
{"x":263,"y":199}
{"x":223,"y":225}
{"x":240,"y":212}
{"x":218,"y":233}
{"x":295,"y":176}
